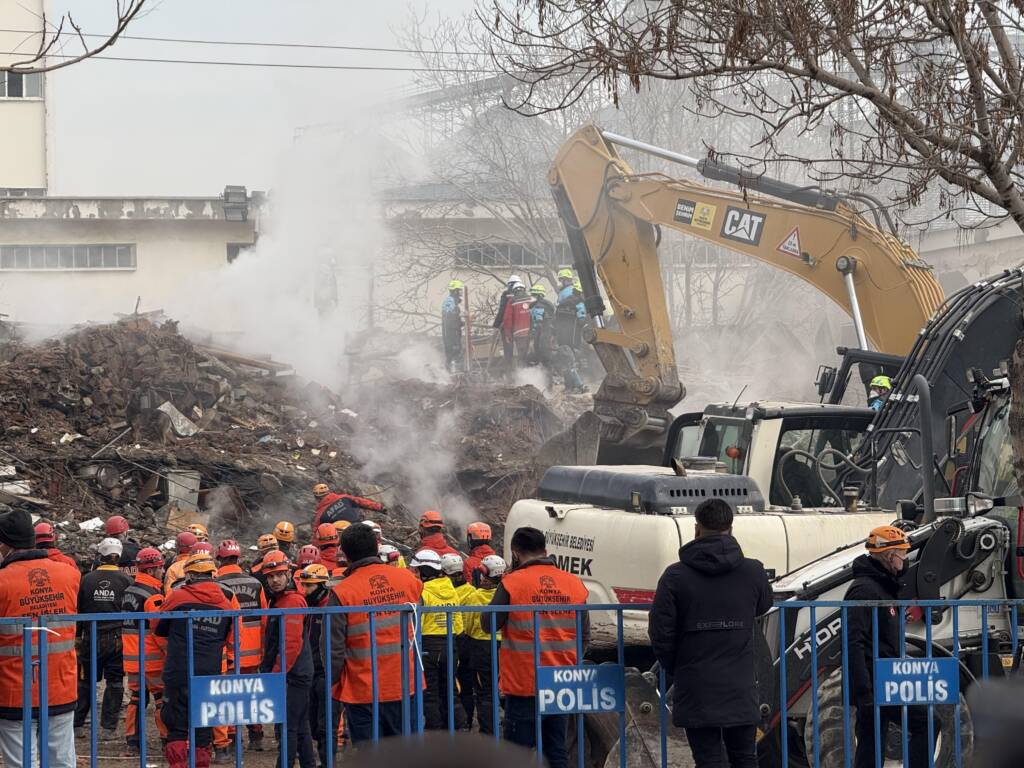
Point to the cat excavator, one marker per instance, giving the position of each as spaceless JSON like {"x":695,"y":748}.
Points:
{"x":613,"y":218}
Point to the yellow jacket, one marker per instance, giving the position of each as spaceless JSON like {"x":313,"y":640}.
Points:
{"x":464,"y":591}
{"x":476,"y":621}
{"x":440,"y":592}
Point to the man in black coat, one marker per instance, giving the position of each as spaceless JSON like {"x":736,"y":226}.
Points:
{"x":702,"y":632}
{"x":877,"y":577}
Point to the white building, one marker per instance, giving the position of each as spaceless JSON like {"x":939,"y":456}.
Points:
{"x":23,"y":106}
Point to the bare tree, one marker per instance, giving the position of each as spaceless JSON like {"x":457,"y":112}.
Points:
{"x":923,"y":93}
{"x":47,"y":48}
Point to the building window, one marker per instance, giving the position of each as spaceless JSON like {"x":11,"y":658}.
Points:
{"x":511,"y":254}
{"x":22,"y":192}
{"x":21,"y":85}
{"x":67,"y":257}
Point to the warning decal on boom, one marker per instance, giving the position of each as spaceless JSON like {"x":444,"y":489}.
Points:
{"x":791,"y":245}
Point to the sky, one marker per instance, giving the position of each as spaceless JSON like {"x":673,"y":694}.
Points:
{"x":131,"y":128}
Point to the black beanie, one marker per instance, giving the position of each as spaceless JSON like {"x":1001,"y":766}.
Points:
{"x":16,"y":529}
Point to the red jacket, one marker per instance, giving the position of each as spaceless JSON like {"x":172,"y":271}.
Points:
{"x":59,"y":557}
{"x":297,"y":657}
{"x":516,"y":322}
{"x":332,"y":498}
{"x":473,"y":561}
{"x":436,"y":542}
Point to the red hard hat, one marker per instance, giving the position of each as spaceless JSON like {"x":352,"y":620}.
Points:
{"x":201,"y":546}
{"x":45,"y":533}
{"x":116,"y":525}
{"x":184,"y":542}
{"x":326,"y":534}
{"x":275,"y":561}
{"x":479,"y":531}
{"x":307,"y":556}
{"x":431,"y":519}
{"x":229,"y":548}
{"x":148,"y":559}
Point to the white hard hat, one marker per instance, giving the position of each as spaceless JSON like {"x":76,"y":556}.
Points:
{"x":388,"y":553}
{"x":374,"y":525}
{"x":109,"y":547}
{"x":493,"y":566}
{"x":451,"y":564}
{"x":513,"y":279}
{"x":426,"y":557}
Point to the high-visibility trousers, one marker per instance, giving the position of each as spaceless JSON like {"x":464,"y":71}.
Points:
{"x":136,"y":708}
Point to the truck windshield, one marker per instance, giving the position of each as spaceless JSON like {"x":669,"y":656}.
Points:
{"x":995,"y":461}
{"x":799,"y":476}
{"x":728,"y":440}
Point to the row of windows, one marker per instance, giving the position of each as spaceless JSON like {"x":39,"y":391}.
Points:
{"x":512,"y":254}
{"x":22,"y":192}
{"x":16,"y":257}
{"x":21,"y":85}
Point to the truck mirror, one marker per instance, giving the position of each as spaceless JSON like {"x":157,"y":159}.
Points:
{"x":825,"y":379}
{"x":951,"y":436}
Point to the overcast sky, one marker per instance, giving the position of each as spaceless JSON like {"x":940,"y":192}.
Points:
{"x":174,"y":129}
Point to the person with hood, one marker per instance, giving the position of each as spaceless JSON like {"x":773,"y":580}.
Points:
{"x":876,"y":577}
{"x":437,"y":591}
{"x":702,"y":632}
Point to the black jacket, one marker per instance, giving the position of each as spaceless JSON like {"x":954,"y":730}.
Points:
{"x":870,"y":582}
{"x":102,"y":591}
{"x":209,"y":634}
{"x":702,"y":631}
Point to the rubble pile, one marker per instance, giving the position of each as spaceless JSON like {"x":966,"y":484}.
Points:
{"x":132,"y":418}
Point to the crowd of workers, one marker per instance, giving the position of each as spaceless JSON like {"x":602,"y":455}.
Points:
{"x":346,"y":564}
{"x":533,"y":329}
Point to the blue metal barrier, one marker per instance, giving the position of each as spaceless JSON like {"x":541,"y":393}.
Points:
{"x":800,"y":689}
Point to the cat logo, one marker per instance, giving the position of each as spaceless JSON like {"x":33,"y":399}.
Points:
{"x":743,"y":226}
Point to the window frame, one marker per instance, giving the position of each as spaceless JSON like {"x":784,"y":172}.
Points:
{"x":78,"y":257}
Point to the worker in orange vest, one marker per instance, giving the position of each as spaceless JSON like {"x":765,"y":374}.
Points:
{"x":31,"y":585}
{"x":249,"y":629}
{"x":46,"y":538}
{"x":200,"y":547}
{"x":535,"y":579}
{"x":175,"y":571}
{"x":145,"y":595}
{"x":368,"y":581}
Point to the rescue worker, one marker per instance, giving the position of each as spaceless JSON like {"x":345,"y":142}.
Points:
{"x":145,"y":595}
{"x":478,"y":538}
{"x":565,"y":284}
{"x":542,"y":319}
{"x":702,"y":628}
{"x":389,"y":555}
{"x":879,"y":391}
{"x":197,"y":548}
{"x":431,"y":529}
{"x":515,"y":327}
{"x":326,"y":538}
{"x":535,"y":579}
{"x":265,"y":544}
{"x":117,"y":527}
{"x":308,"y":555}
{"x":452,"y":567}
{"x":333,"y":507}
{"x":437,"y":591}
{"x":877,"y":578}
{"x":570,"y":315}
{"x":284,"y":533}
{"x":369,"y":582}
{"x":175,"y":571}
{"x":46,"y":538}
{"x":375,"y":526}
{"x":451,"y":327}
{"x":200,"y":531}
{"x":297,"y":658}
{"x":487,"y":574}
{"x":209,"y":635}
{"x":248,"y":591}
{"x":102,"y":591}
{"x":31,"y":584}
{"x":499,"y":316}
{"x":313,"y":582}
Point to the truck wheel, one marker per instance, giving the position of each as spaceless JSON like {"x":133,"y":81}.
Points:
{"x":830,"y":730}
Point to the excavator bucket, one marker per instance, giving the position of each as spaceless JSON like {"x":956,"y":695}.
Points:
{"x":643,"y":729}
{"x":578,"y":445}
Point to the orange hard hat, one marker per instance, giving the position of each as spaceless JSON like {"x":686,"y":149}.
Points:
{"x":320,"y":490}
{"x":314,"y":573}
{"x":45,"y":534}
{"x":341,"y":525}
{"x":266,"y":541}
{"x":326,"y":535}
{"x":885,"y":538}
{"x":431,"y":519}
{"x":284,"y":531}
{"x":200,"y":562}
{"x":199,"y":531}
{"x":275,"y":562}
{"x":479,"y":531}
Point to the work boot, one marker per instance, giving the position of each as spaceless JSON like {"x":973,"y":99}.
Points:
{"x":256,"y":742}
{"x":107,"y":734}
{"x":176,"y":754}
{"x":224,"y":754}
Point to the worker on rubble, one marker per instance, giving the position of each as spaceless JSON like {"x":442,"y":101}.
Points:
{"x":264,"y":544}
{"x":702,"y":628}
{"x":332,"y":507}
{"x":565,"y":284}
{"x":46,"y":538}
{"x":452,"y":566}
{"x":478,"y":538}
{"x":499,"y":317}
{"x":248,"y":590}
{"x":437,"y":591}
{"x":102,"y":591}
{"x":568,"y":326}
{"x":297,"y":658}
{"x":515,"y":327}
{"x":876,"y":578}
{"x":487,"y":575}
{"x":451,"y":327}
{"x":431,"y":529}
{"x":313,"y":581}
{"x":369,"y":582}
{"x":542,"y":320}
{"x":144,"y":596}
{"x":209,"y":635}
{"x":200,"y":547}
{"x":117,"y":527}
{"x":175,"y":570}
{"x":534,"y":579}
{"x":879,"y":391}
{"x":284,"y":533}
{"x":326,"y":538}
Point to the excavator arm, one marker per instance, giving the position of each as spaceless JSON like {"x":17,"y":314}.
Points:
{"x":613,"y":217}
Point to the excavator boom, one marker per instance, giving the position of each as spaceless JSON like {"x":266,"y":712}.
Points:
{"x":613,"y":217}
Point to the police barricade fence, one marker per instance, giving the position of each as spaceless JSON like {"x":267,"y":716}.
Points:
{"x":939,"y":658}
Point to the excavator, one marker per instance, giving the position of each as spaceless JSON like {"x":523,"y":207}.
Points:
{"x":613,"y":219}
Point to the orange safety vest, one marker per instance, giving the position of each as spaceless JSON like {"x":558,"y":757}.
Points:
{"x":375,"y":584}
{"x":143,"y":596}
{"x":175,"y":572}
{"x":540,"y":583}
{"x":250,"y":595}
{"x":34,"y":586}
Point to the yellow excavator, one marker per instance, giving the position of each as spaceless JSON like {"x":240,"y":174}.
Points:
{"x":613,"y":218}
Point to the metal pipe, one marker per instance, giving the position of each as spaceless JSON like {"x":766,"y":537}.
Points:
{"x":858,"y":321}
{"x":924,"y":413}
{"x":664,"y":154}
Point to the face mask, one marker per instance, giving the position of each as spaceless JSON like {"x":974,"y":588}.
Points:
{"x":874,"y":394}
